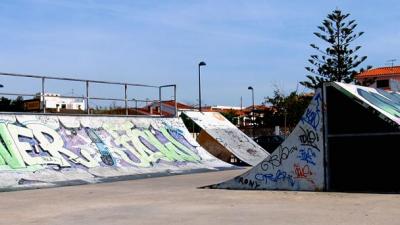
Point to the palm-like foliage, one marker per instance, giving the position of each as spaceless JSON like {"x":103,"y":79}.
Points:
{"x":339,"y":61}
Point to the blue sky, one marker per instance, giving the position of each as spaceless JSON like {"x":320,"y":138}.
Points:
{"x":259,"y":43}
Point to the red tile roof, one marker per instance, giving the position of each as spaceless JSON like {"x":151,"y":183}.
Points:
{"x":381,"y":71}
{"x":180,"y":105}
{"x":257,"y":107}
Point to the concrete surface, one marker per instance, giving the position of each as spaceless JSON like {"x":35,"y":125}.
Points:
{"x":177,"y":200}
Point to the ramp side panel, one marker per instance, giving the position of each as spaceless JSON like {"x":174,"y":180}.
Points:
{"x":41,"y":150}
{"x":229,"y":136}
{"x":385,"y":102}
{"x":297,"y":164}
{"x":213,"y":146}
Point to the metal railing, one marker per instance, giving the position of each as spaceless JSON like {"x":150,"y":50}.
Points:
{"x":87,"y":97}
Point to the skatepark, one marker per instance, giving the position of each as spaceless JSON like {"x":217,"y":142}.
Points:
{"x":199,"y":112}
{"x":105,"y":169}
{"x":329,"y":150}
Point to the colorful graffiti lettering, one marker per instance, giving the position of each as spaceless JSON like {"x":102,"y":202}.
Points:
{"x":105,"y":153}
{"x":36,"y":145}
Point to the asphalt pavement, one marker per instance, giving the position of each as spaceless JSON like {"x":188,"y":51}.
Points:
{"x":178,"y":200}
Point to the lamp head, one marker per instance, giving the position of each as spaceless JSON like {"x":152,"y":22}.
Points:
{"x":202,"y":63}
{"x":250,"y":88}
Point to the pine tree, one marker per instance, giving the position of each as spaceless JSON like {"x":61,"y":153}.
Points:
{"x":339,"y":61}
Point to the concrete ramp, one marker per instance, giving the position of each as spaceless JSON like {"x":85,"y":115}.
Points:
{"x":345,"y":141}
{"x":48,"y":150}
{"x":214,"y":147}
{"x":296,"y":164}
{"x":229,"y":136}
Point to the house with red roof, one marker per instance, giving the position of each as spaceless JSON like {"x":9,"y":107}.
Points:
{"x":387,"y":78}
{"x":167,"y":108}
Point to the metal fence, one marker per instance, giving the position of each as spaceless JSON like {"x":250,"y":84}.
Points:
{"x":87,"y":97}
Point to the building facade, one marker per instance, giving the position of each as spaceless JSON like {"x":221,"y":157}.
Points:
{"x":387,"y":78}
{"x":53,"y":102}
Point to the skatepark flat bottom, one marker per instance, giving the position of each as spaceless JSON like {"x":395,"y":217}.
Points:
{"x":177,"y":200}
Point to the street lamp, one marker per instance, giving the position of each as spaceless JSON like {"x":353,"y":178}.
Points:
{"x":252,"y":114}
{"x":200,"y":65}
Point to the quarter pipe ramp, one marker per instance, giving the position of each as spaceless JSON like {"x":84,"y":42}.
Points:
{"x":229,"y":136}
{"x":338,"y":145}
{"x":49,"y":150}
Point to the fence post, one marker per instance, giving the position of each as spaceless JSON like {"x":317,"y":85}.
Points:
{"x":126,"y":100}
{"x":159,"y":98}
{"x":87,"y":97}
{"x":176,"y":103}
{"x":42,"y":96}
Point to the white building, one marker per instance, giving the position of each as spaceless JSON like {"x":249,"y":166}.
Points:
{"x":223,"y":107}
{"x":55,"y":101}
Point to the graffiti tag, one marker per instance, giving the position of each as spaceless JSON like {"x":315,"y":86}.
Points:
{"x":302,"y":172}
{"x":309,"y":138}
{"x":307,"y":155}
{"x":280,"y":176}
{"x":275,"y":160}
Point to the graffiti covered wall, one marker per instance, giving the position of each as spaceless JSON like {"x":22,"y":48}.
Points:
{"x":229,"y":136}
{"x":36,"y":150}
{"x":297,"y":164}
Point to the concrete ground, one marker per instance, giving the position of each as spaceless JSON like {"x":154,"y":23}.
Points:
{"x":176,"y":200}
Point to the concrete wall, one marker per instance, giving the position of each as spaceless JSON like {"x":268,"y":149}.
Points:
{"x":42,"y":150}
{"x":229,"y":136}
{"x":295,"y":165}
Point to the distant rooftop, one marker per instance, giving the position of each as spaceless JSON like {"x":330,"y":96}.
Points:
{"x":380,"y":71}
{"x":225,"y":107}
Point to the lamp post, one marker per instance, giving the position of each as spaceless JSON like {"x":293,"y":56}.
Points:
{"x":200,"y":65}
{"x":252,"y":111}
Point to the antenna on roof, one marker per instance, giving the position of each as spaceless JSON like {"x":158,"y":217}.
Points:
{"x":390,"y":62}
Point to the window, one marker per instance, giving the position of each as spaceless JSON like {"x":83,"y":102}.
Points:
{"x":63,"y":106}
{"x":382,"y":83}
